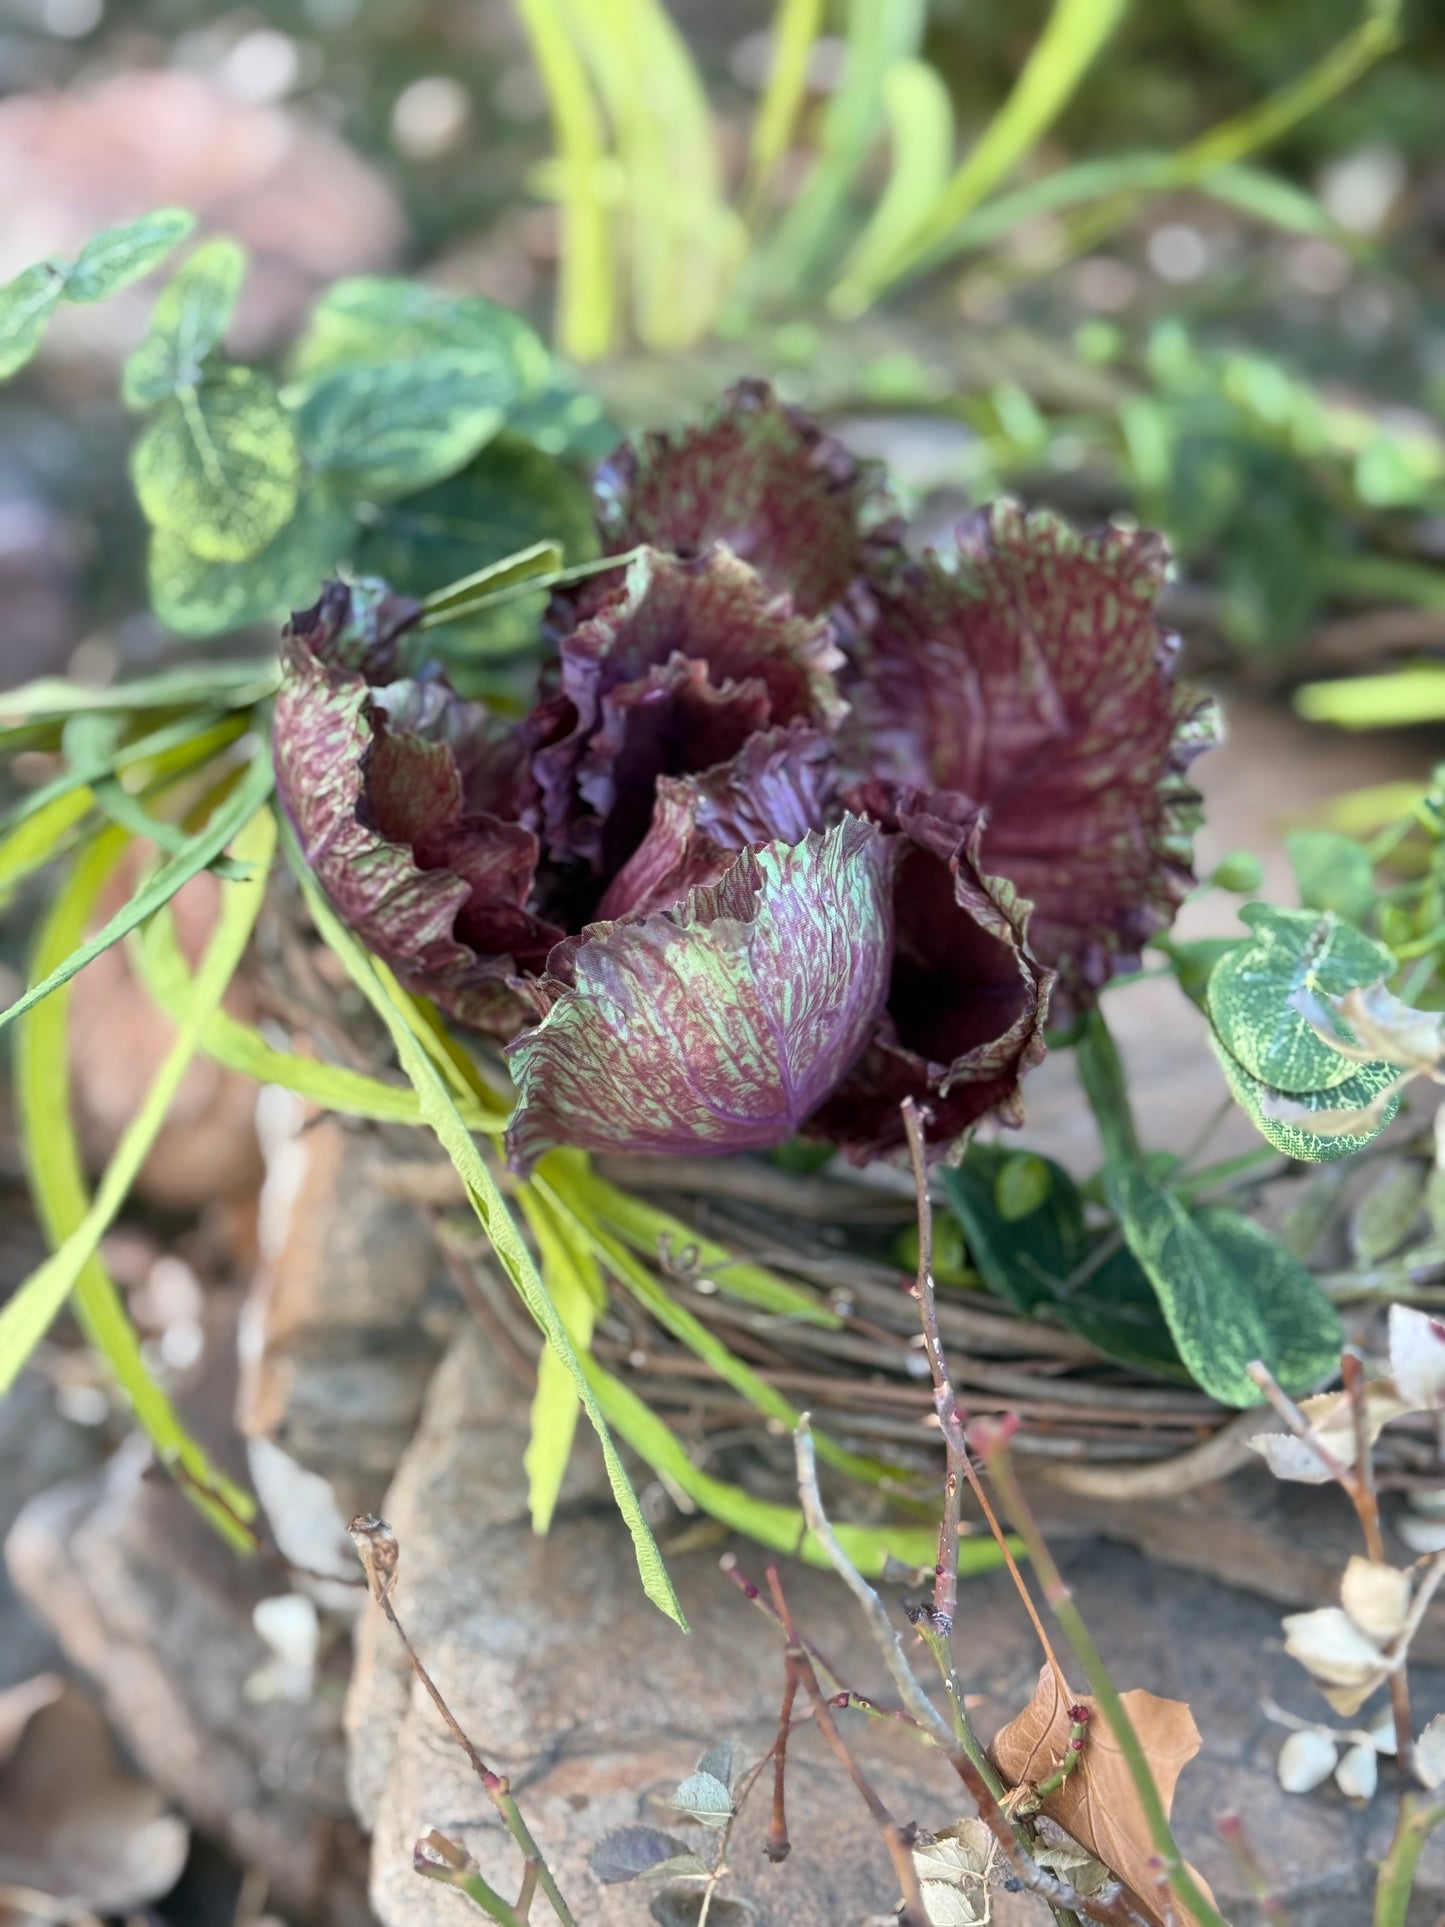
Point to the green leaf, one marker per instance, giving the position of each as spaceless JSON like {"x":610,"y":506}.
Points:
{"x":121,"y":255}
{"x":372,"y":321}
{"x":920,"y":129}
{"x":703,"y":1797}
{"x":191,"y":316}
{"x":1193,"y":961}
{"x":219,"y":466}
{"x":196,"y":735}
{"x":1367,"y":1100}
{"x":75,"y":1223}
{"x":220,"y":685}
{"x":37,"y":838}
{"x":25,"y":307}
{"x":1398,"y":698}
{"x":203,"y":849}
{"x":194,"y":597}
{"x":438,"y":1106}
{"x":384,"y":432}
{"x":1048,"y":1263}
{"x":1253,"y":994}
{"x":1333,"y":873}
{"x":578,"y":1293}
{"x":1229,"y":1292}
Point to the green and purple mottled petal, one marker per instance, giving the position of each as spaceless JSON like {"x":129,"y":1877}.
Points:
{"x":1029,"y":674}
{"x":373,"y":780}
{"x":670,"y":676}
{"x":718,"y":1026}
{"x":764,"y":479}
{"x":966,"y":1001}
{"x":775,"y":790}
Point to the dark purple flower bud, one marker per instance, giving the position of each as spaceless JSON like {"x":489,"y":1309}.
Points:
{"x":966,"y":1002}
{"x":717,"y":1026}
{"x":1029,"y":675}
{"x":405,"y":799}
{"x":761,"y":477}
{"x":672,"y":675}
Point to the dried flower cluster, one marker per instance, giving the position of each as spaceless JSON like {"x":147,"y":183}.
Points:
{"x":798,"y":826}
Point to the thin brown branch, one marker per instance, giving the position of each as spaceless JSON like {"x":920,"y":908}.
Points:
{"x":1367,"y":1505}
{"x":897,"y":1839}
{"x":779,"y":1846}
{"x":377,"y":1548}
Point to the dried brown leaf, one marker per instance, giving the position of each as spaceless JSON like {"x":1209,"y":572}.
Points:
{"x":1097,"y":1804}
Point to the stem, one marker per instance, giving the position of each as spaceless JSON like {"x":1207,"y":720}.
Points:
{"x":1367,"y":1505}
{"x":379,"y":1553}
{"x":1418,"y":1819}
{"x":1178,"y":1874}
{"x":720,"y":1867}
{"x":1102,"y":1075}
{"x":1231,"y":1831}
{"x":437,"y":1858}
{"x":779,"y":1846}
{"x":898,"y":1840}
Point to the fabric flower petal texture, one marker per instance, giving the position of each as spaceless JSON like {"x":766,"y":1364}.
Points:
{"x":967,"y":1000}
{"x":792,"y":502}
{"x":406,"y":800}
{"x":719,"y":1025}
{"x":1028,"y":674}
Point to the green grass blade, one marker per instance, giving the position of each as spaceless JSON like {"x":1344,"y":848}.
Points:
{"x":780,"y":1527}
{"x":405,"y":1026}
{"x":647,"y":1230}
{"x":1395,"y":699}
{"x":1072,"y":40}
{"x":220,"y":685}
{"x":578,"y":1293}
{"x":587,"y":308}
{"x":37,"y":838}
{"x":796,"y":26}
{"x":920,"y":123}
{"x":203,"y":734}
{"x":73,"y":1222}
{"x":203,"y":849}
{"x":475,"y":592}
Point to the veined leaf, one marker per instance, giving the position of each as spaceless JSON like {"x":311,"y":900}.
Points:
{"x":578,"y":1293}
{"x":782,"y":1527}
{"x":194,"y":597}
{"x":191,"y":316}
{"x":438,"y":1106}
{"x":374,"y":322}
{"x":219,"y":466}
{"x":388,"y":431}
{"x":204,"y":847}
{"x":124,"y":254}
{"x":1333,"y":872}
{"x":73,"y":1221}
{"x":1355,"y":1112}
{"x":1229,"y":1292}
{"x":25,"y":307}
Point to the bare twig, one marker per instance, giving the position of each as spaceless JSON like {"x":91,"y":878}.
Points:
{"x":1367,"y":1505}
{"x":779,"y":1846}
{"x":1231,"y":1830}
{"x":377,"y":1548}
{"x":897,"y":1839}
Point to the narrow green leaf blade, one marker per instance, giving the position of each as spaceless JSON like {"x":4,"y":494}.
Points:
{"x":25,"y":307}
{"x":219,"y":466}
{"x":555,"y":1406}
{"x":1229,"y":1292}
{"x":190,"y":318}
{"x":440,"y":1111}
{"x":124,"y":254}
{"x":221,"y":685}
{"x":204,"y":847}
{"x":78,"y":1224}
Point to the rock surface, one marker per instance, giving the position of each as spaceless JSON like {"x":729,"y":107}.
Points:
{"x":567,"y":1680}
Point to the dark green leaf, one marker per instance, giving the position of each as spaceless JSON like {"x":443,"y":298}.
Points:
{"x":375,"y":322}
{"x":628,"y":1852}
{"x":1048,"y":1263}
{"x":194,"y":597}
{"x":1333,"y":873}
{"x":1253,"y":994}
{"x":121,"y":255}
{"x":191,"y":316}
{"x":389,"y":431}
{"x":1229,"y":1292}
{"x":1194,"y":960}
{"x":565,"y":420}
{"x":203,"y":849}
{"x":25,"y":307}
{"x":219,"y":466}
{"x":724,"y":1760}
